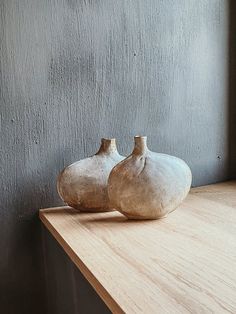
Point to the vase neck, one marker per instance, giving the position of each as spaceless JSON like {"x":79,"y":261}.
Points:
{"x":140,"y":145}
{"x":108,"y":146}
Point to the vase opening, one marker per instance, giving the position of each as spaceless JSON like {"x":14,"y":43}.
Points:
{"x":140,"y":144}
{"x":108,"y":145}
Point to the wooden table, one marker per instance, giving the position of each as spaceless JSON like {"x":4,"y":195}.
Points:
{"x":185,"y":263}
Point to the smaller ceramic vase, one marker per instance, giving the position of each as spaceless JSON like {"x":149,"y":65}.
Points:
{"x":83,"y":185}
{"x":148,"y":185}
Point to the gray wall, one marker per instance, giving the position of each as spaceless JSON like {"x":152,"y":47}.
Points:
{"x":232,"y":94}
{"x":75,"y":71}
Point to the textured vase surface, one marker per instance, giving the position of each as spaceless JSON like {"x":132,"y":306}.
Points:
{"x":83,"y":185}
{"x":148,"y":185}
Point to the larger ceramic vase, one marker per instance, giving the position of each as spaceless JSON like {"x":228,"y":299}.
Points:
{"x":148,"y":185}
{"x":83,"y":185}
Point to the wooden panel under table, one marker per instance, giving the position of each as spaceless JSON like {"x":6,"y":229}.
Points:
{"x":185,"y":263}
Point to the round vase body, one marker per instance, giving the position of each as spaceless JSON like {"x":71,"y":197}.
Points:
{"x":83,"y":185}
{"x":148,"y":185}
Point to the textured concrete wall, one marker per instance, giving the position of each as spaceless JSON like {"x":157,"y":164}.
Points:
{"x":75,"y":71}
{"x":232,"y":94}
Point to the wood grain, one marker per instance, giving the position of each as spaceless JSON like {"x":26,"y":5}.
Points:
{"x":182,"y":264}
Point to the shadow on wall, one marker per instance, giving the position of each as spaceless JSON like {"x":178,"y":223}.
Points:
{"x":23,"y":284}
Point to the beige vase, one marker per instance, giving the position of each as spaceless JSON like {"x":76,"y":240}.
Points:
{"x":83,"y":185}
{"x":148,"y":185}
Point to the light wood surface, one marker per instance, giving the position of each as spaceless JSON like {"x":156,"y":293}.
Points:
{"x":185,"y":263}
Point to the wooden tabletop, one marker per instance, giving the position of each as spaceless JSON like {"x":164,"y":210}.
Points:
{"x":185,"y":263}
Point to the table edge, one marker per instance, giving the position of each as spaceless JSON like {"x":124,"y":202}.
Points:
{"x":97,"y":286}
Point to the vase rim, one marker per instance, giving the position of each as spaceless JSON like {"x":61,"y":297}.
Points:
{"x":140,"y":139}
{"x":140,"y":136}
{"x":103,"y":139}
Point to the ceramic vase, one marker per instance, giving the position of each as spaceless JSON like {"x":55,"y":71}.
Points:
{"x":83,"y":185}
{"x":148,"y":185}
